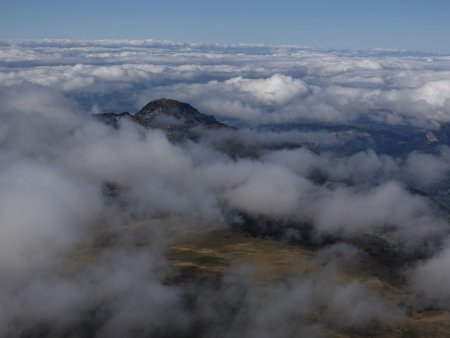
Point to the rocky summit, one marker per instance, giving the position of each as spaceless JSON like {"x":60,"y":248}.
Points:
{"x":161,"y":110}
{"x":178,"y":119}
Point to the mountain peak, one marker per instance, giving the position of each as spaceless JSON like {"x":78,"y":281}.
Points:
{"x":172,"y":112}
{"x":179,"y":120}
{"x":165,"y":104}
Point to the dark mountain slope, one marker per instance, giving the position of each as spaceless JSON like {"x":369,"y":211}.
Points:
{"x":159,"y":112}
{"x":178,"y":119}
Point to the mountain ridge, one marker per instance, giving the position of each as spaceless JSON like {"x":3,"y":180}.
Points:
{"x":179,"y":120}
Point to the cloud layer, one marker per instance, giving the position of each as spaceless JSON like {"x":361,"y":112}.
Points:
{"x":252,"y":83}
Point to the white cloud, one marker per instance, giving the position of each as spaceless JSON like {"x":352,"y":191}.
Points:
{"x":276,"y":89}
{"x":432,"y":277}
{"x":42,"y":207}
{"x":435,"y":93}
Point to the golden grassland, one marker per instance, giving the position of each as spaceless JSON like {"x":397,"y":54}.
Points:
{"x":203,"y":254}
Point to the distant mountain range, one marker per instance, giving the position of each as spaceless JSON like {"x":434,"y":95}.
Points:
{"x":389,"y":140}
{"x":182,"y":121}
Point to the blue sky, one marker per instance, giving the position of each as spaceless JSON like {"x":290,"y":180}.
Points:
{"x":399,"y":24}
